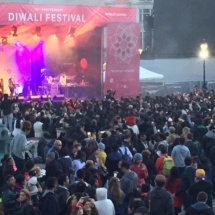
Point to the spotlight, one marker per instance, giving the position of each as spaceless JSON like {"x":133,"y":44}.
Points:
{"x":71,"y":31}
{"x":4,"y":41}
{"x":14,"y":31}
{"x":37,"y":31}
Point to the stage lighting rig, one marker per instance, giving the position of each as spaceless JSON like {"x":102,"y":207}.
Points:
{"x":14,"y":31}
{"x":37,"y":31}
{"x":71,"y":31}
{"x":4,"y":41}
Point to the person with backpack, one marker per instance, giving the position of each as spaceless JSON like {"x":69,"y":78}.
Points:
{"x":140,"y":169}
{"x":164,"y":163}
{"x":126,"y":154}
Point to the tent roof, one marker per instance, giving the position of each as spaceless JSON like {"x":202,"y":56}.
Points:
{"x":147,"y":75}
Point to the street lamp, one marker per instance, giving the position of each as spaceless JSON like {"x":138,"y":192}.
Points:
{"x":203,"y":54}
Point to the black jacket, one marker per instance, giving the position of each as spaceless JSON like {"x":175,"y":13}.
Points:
{"x":9,"y":199}
{"x":53,"y":169}
{"x":199,"y":186}
{"x":62,"y":194}
{"x":160,"y":202}
{"x":6,"y":106}
{"x":26,"y":209}
{"x":49,"y":204}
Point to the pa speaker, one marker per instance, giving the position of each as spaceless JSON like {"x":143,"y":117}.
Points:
{"x":59,"y":98}
{"x":35,"y":98}
{"x":21,"y":98}
{"x":45,"y":98}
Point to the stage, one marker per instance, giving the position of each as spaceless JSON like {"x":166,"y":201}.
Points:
{"x":60,"y":50}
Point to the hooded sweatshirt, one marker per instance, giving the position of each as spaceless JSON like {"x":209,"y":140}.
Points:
{"x":179,"y":153}
{"x":199,"y":208}
{"x":129,"y":182}
{"x":105,"y":206}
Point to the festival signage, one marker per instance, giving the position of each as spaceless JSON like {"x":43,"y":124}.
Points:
{"x":122,"y":67}
{"x":28,"y":14}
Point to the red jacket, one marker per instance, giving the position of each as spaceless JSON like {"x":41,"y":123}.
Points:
{"x":141,"y":172}
{"x":159,"y":164}
{"x":174,"y":188}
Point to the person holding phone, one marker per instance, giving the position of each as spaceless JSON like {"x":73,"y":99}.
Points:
{"x":85,"y":206}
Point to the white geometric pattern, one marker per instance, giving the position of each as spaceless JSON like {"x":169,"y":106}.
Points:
{"x":123,"y":44}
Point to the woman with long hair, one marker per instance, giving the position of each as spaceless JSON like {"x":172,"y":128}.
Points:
{"x":85,"y":206}
{"x":25,"y":203}
{"x":116,"y":195}
{"x":172,"y":185}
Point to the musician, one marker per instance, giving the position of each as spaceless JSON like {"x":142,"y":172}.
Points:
{"x":48,"y":81}
{"x":11,"y":86}
{"x":1,"y":88}
{"x":63,"y":79}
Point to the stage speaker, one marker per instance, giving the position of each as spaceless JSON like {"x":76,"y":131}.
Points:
{"x":58,"y":98}
{"x":34,"y":98}
{"x":21,"y":98}
{"x":46,"y":98}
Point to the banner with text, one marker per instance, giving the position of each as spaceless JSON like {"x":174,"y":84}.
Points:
{"x":26,"y":14}
{"x":123,"y":59}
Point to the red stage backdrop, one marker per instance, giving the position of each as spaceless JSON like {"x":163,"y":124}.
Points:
{"x":25,"y":14}
{"x":122,"y":69}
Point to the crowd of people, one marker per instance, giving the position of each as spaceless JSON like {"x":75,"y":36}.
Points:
{"x":136,"y":156}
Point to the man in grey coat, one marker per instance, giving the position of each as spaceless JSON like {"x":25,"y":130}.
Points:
{"x":129,"y":180}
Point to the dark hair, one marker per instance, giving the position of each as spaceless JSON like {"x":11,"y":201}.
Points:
{"x":145,"y":188}
{"x":51,"y":182}
{"x":190,"y":136}
{"x":64,"y":152}
{"x":8,"y":177}
{"x":125,"y":165}
{"x":115,"y":147}
{"x":62,"y":179}
{"x":202,"y":197}
{"x":135,"y":204}
{"x":20,"y":178}
{"x":163,"y":149}
{"x":142,"y":210}
{"x":188,"y":161}
{"x":81,"y":187}
{"x":174,"y":174}
{"x":80,"y":174}
{"x":81,"y":155}
{"x":26,"y":125}
{"x":182,"y":140}
{"x":5,"y":96}
{"x":5,"y":158}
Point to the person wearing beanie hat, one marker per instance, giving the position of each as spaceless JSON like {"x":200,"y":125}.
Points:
{"x":201,"y":185}
{"x":50,"y":156}
{"x":53,"y":167}
{"x":140,"y":169}
{"x":101,"y":155}
{"x":200,"y":174}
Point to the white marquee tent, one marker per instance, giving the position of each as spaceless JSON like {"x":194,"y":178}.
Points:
{"x":149,"y":76}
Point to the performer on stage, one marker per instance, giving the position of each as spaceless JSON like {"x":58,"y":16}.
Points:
{"x":63,"y":80}
{"x":47,"y":84}
{"x":11,"y":86}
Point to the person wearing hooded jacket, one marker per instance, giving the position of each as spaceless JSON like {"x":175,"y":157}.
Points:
{"x":200,"y":208}
{"x":129,"y":180}
{"x":104,"y":206}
